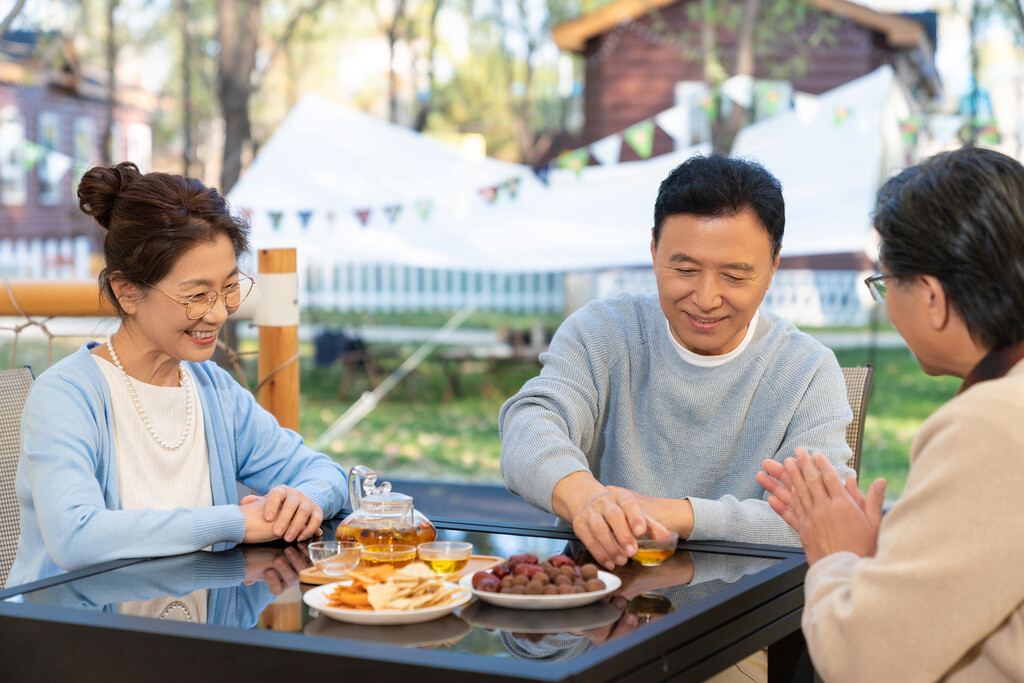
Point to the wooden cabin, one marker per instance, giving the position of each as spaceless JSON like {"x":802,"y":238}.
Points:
{"x":635,"y":68}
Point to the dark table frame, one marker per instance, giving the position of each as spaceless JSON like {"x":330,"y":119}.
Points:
{"x":39,"y":642}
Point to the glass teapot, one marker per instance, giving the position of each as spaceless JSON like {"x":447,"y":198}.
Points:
{"x":381,"y":516}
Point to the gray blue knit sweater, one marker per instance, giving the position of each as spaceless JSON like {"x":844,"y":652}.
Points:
{"x":615,"y":397}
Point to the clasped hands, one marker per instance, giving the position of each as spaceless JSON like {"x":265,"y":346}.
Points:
{"x":284,"y":512}
{"x":831,"y":516}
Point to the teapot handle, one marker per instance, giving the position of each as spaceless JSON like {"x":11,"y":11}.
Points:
{"x":355,"y":477}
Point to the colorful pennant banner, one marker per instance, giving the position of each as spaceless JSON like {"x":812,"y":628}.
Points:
{"x":640,"y":138}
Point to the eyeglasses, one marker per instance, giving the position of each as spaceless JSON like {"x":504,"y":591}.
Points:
{"x":877,"y":287}
{"x":198,"y":305}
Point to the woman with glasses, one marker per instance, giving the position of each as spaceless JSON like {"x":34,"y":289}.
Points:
{"x":934,"y":591}
{"x":132,"y":447}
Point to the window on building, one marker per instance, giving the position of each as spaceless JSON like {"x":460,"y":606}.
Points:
{"x":139,"y":146}
{"x":53,"y":164}
{"x":12,"y":151}
{"x":83,"y":150}
{"x":117,"y":151}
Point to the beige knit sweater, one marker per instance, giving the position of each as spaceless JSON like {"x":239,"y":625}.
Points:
{"x":943,"y":598}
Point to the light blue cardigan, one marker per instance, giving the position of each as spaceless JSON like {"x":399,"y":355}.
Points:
{"x":67,"y":488}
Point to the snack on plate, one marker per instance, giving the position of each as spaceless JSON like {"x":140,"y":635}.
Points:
{"x":414,"y":586}
{"x":524,"y":575}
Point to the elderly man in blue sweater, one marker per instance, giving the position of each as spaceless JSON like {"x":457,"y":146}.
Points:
{"x":654,"y":411}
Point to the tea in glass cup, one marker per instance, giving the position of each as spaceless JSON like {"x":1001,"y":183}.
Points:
{"x":395,"y":555}
{"x":445,"y":557}
{"x":334,"y":558}
{"x":653,"y":551}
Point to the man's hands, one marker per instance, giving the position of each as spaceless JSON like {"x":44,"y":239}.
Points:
{"x":830,"y":516}
{"x":283,"y":513}
{"x":607,"y":519}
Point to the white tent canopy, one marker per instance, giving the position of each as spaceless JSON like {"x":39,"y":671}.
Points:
{"x":328,"y":160}
{"x":831,"y":154}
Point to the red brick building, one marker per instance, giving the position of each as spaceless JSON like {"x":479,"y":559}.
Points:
{"x":635,"y":67}
{"x":52,"y":116}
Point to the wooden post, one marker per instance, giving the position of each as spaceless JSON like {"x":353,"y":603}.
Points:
{"x":49,"y":298}
{"x":279,"y":345}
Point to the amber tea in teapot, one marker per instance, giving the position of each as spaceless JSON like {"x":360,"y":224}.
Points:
{"x":381,"y":516}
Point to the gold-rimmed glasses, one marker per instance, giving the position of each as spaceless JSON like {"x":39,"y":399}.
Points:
{"x":198,"y":305}
{"x":877,"y":287}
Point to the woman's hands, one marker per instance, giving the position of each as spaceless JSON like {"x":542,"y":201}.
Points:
{"x":278,"y":567}
{"x":283,"y":513}
{"x":830,"y":516}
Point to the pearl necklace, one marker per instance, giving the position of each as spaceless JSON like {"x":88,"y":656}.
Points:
{"x":185,"y":384}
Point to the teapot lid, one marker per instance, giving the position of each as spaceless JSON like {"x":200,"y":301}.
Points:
{"x":382,"y":493}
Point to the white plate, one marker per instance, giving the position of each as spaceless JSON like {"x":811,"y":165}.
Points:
{"x":516,"y":601}
{"x":316,"y":598}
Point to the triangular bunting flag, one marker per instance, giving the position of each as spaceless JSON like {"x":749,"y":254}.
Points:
{"x":607,"y":150}
{"x":542,"y":173}
{"x":768,"y":98}
{"x":423,"y":209}
{"x":910,"y":126}
{"x":31,"y":154}
{"x":675,"y":122}
{"x":574,"y":160}
{"x":806,"y":106}
{"x":490,"y":194}
{"x":709,"y":105}
{"x":54,"y":166}
{"x":641,"y":138}
{"x":363,"y":216}
{"x":740,"y":89}
{"x":988,"y":131}
{"x":840,"y":114}
{"x":392,"y":211}
{"x":304,"y":216}
{"x":246,"y":214}
{"x":275,"y":218}
{"x":512,"y":187}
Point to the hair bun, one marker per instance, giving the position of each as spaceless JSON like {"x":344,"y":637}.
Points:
{"x":101,"y":186}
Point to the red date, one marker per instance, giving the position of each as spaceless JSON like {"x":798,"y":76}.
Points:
{"x":522,"y":558}
{"x":560,"y":561}
{"x":528,"y":570}
{"x":501,"y":571}
{"x":487,"y":582}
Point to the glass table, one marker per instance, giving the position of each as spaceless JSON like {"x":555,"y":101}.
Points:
{"x":708,"y":606}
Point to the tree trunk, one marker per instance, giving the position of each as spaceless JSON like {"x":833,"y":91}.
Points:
{"x":423,"y":113}
{"x":108,"y":132}
{"x":238,"y":32}
{"x":392,"y":33}
{"x":725,"y":128}
{"x":186,"y":87}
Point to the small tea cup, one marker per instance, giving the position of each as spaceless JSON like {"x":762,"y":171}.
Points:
{"x":334,"y":558}
{"x":394,"y":555}
{"x":653,"y":551}
{"x":445,"y":557}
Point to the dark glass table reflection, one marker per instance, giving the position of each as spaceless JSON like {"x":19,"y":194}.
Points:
{"x":707,"y":606}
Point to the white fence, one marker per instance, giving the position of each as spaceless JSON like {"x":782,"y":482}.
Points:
{"x":393,"y":287}
{"x":49,"y":259}
{"x":813,"y":298}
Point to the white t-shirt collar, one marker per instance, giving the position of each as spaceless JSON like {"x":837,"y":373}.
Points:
{"x":713,"y":361}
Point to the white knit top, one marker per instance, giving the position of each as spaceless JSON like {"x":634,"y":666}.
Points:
{"x":150,"y":477}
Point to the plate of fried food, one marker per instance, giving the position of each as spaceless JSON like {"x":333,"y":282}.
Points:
{"x":384,"y":595}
